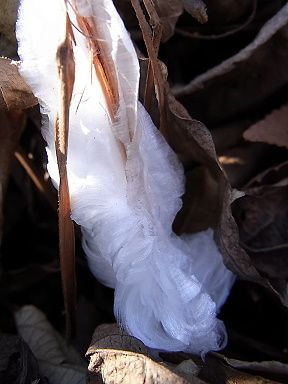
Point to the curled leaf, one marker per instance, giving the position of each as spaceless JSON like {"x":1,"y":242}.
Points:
{"x":118,"y":358}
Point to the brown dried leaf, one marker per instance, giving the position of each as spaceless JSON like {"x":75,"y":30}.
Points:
{"x":216,"y":372}
{"x":118,"y":358}
{"x":228,"y":239}
{"x":245,"y":79}
{"x":274,"y":369}
{"x":108,"y":335}
{"x":15,"y":92}
{"x":273,"y":129}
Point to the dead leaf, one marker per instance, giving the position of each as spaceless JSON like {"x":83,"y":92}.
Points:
{"x":118,"y":358}
{"x":15,"y":92}
{"x":273,"y":129}
{"x":17,"y":363}
{"x":274,"y":369}
{"x":58,"y":362}
{"x":244,"y":80}
{"x":215,"y":372}
{"x":228,"y":239}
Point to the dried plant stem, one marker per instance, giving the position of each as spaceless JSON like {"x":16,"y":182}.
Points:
{"x":106,"y":73}
{"x":66,"y":72}
{"x":152,"y":46}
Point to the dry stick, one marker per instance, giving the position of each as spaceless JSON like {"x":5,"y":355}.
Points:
{"x":157,"y":75}
{"x":66,"y":73}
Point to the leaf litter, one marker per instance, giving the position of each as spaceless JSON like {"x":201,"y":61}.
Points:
{"x":251,"y":230}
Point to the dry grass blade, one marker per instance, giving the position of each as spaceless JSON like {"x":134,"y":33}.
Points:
{"x":151,"y":44}
{"x":66,"y":72}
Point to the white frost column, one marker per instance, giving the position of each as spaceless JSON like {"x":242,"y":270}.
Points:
{"x":126,"y":185}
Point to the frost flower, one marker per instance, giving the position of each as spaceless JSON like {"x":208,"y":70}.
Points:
{"x":125,"y":181}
